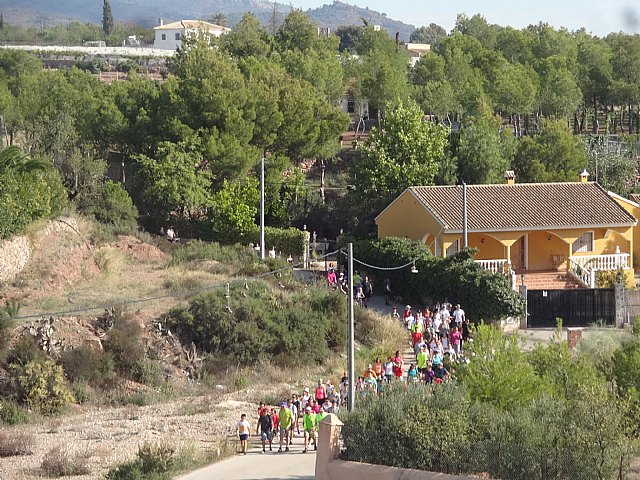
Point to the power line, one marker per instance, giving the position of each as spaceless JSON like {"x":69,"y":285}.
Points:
{"x":125,"y":303}
{"x":375,"y":267}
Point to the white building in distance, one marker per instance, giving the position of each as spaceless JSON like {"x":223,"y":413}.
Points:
{"x":169,"y":36}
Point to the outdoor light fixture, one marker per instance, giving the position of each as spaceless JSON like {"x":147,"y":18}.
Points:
{"x":413,"y":267}
{"x":549,"y":237}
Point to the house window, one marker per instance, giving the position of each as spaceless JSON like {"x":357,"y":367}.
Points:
{"x":351,"y":106}
{"x":453,"y":248}
{"x":178,"y":36}
{"x":164,"y":36}
{"x":583,"y":244}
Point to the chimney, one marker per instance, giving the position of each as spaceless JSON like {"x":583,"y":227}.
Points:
{"x":160,"y":22}
{"x":509,"y":177}
{"x":584,"y":176}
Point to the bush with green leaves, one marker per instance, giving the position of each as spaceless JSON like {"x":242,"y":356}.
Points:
{"x":124,"y":344}
{"x":88,"y":364}
{"x":26,"y":196}
{"x":289,"y":241}
{"x":12,"y":413}
{"x":110,"y":203}
{"x":154,"y":461}
{"x":42,"y":387}
{"x":560,"y":421}
{"x":263,"y":323}
{"x":483,"y":295}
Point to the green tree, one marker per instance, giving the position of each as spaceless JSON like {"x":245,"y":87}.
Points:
{"x":247,"y":39}
{"x":428,"y":34}
{"x":555,"y":155}
{"x":176,"y":180}
{"x":107,"y":18}
{"x":613,"y":167}
{"x":484,"y":153}
{"x":219,"y":19}
{"x":297,"y":32}
{"x":349,"y":36}
{"x":595,"y":74}
{"x":559,"y":93}
{"x":403,"y":153}
{"x":233,"y":211}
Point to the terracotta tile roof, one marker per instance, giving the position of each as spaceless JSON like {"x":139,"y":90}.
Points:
{"x":634,"y":197}
{"x":524,"y":206}
{"x":191,"y":25}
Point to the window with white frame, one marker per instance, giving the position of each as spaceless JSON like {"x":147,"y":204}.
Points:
{"x":583,"y":244}
{"x":164,"y":36}
{"x":453,"y":248}
{"x":178,"y":36}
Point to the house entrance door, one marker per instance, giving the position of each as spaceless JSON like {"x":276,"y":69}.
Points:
{"x":519,"y":258}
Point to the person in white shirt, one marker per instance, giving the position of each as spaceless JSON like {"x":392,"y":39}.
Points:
{"x":244,"y":429}
{"x":458,"y":314}
{"x":388,"y":370}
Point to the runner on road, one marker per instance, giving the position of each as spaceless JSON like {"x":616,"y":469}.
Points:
{"x":265,"y":424}
{"x":309,"y":425}
{"x":243,"y":429}
{"x":286,"y":422}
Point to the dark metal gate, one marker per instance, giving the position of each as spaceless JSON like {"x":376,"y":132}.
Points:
{"x":576,"y":307}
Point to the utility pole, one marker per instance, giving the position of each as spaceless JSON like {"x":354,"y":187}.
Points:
{"x":262,"y":209}
{"x":350,"y":335}
{"x":465,"y":240}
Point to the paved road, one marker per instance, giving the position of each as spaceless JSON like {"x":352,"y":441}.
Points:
{"x":293,"y":465}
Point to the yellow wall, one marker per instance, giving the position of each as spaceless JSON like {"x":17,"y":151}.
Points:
{"x":635,"y":211}
{"x":407,"y":218}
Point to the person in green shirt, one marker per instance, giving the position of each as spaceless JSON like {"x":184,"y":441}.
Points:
{"x":286,"y":421}
{"x":422,"y":359}
{"x":309,"y":424}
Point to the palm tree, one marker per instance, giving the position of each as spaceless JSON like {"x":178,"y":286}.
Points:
{"x":219,"y":19}
{"x":12,"y":159}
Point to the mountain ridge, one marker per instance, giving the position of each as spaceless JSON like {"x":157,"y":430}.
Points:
{"x":147,"y":12}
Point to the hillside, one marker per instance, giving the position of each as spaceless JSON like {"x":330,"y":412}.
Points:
{"x":146,"y":13}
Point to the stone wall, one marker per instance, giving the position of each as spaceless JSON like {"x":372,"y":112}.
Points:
{"x":15,"y":252}
{"x":14,"y":255}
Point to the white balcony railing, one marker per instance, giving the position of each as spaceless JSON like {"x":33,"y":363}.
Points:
{"x":613,"y":261}
{"x":584,"y":267}
{"x":501,"y":266}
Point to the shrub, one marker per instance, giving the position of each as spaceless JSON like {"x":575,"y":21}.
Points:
{"x":155,"y":461}
{"x":26,"y":350}
{"x":197,"y":251}
{"x":484,"y":295}
{"x":289,"y":241}
{"x":124,"y":344}
{"x":11,"y":413}
{"x":88,"y":364}
{"x":146,"y":371}
{"x":608,"y":278}
{"x":111,"y":204}
{"x":13,"y":444}
{"x":264,"y":324}
{"x":29,"y":196}
{"x":7,"y":312}
{"x":42,"y":387}
{"x":58,"y":462}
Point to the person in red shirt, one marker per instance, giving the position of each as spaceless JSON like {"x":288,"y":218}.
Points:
{"x":261,"y":409}
{"x":397,"y":365}
{"x":416,"y":337}
{"x":275,"y":418}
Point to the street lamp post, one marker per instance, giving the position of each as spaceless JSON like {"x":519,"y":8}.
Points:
{"x":465,"y":240}
{"x":262,"y":208}
{"x":350,"y":346}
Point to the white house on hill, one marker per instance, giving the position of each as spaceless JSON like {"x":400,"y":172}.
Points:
{"x":169,"y":36}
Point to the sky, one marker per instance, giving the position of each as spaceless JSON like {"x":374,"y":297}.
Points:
{"x":598,"y":16}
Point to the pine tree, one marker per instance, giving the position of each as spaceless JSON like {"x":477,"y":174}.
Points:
{"x":107,"y":18}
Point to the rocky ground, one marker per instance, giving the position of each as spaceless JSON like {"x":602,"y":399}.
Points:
{"x":106,"y":437}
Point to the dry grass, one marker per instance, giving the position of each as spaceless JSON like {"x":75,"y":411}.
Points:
{"x":109,"y":260}
{"x":58,"y":462}
{"x":177,"y":280}
{"x":13,"y":444}
{"x":379,"y":331}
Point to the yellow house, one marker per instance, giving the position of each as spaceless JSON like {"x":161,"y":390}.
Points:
{"x":575,"y":228}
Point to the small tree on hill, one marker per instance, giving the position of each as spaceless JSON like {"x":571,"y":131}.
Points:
{"x":107,"y":18}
